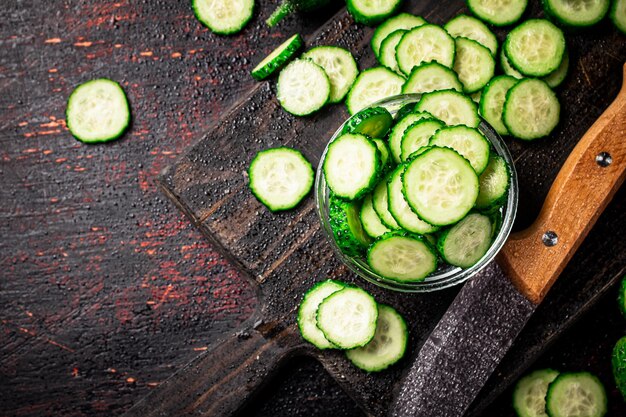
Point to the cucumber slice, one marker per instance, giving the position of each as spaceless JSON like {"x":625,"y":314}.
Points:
{"x":474,"y":64}
{"x":507,"y":68}
{"x":535,"y":48}
{"x":372,"y":224}
{"x":348,"y":318}
{"x":279,"y":57}
{"x":431,"y":76}
{"x":618,"y":15}
{"x":576,"y":13}
{"x":280,"y":178}
{"x":451,"y":107}
{"x":529,"y":395}
{"x":380,"y":201}
{"x":371,"y":86}
{"x":303,"y":87}
{"x":471,"y":28}
{"x":387,"y":54}
{"x":618,"y":362}
{"x":397,"y":132}
{"x":404,"y":21}
{"x":424,"y":44}
{"x":373,"y":122}
{"x":498,"y":12}
{"x":339,"y":65}
{"x":388,"y":345}
{"x":399,"y":208}
{"x":493,"y":184}
{"x":468,"y":142}
{"x":385,"y":155}
{"x":466,"y":242}
{"x":402,"y":257}
{"x":405,"y":110}
{"x":307,"y":312}
{"x":622,"y":297}
{"x":531,"y":110}
{"x":97,"y":111}
{"x":418,"y":135}
{"x":346,"y":226}
{"x":440,"y":186}
{"x":370,"y":12}
{"x":492,"y":101}
{"x":576,"y":394}
{"x":352,"y":166}
{"x":556,"y":77}
{"x":223,"y":17}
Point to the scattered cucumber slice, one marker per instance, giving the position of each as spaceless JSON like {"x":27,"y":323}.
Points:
{"x":535,"y":48}
{"x":529,"y":395}
{"x":370,"y":12}
{"x":97,"y":111}
{"x":387,"y":54}
{"x":618,"y":15}
{"x":404,"y":21}
{"x":424,"y":44}
{"x":618,"y":363}
{"x":279,"y":57}
{"x":348,"y":318}
{"x":492,"y":101}
{"x":280,"y":178}
{"x":440,"y":186}
{"x":474,"y":64}
{"x":373,"y":122}
{"x":531,"y":110}
{"x":507,"y":68}
{"x":224,"y":17}
{"x":431,"y":76}
{"x":388,"y":345}
{"x":352,"y":166}
{"x":339,"y":65}
{"x":397,"y":132}
{"x":380,"y":200}
{"x":307,"y":312}
{"x":451,"y":107}
{"x":372,"y":224}
{"x":471,"y":28}
{"x":418,"y":135}
{"x":493,"y":184}
{"x":576,"y":394}
{"x":466,"y":242}
{"x":576,"y":13}
{"x":556,"y":77}
{"x":402,"y":257}
{"x":498,"y":12}
{"x":346,"y":226}
{"x":467,"y":141}
{"x":371,"y":86}
{"x":303,"y":87}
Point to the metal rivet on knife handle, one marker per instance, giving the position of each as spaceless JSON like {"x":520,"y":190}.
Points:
{"x":578,"y":195}
{"x":550,"y":238}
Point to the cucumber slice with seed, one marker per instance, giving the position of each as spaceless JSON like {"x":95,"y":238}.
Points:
{"x":224,"y":17}
{"x":279,"y":57}
{"x":498,"y":12}
{"x":431,"y":76}
{"x":346,"y":226}
{"x":371,"y":86}
{"x":307,"y":312}
{"x":387,"y":54}
{"x":303,"y":87}
{"x":425,"y":43}
{"x":418,"y":135}
{"x":492,"y":101}
{"x":618,"y":364}
{"x":388,"y":345}
{"x":535,"y":48}
{"x":529,"y":395}
{"x":576,"y":394}
{"x":380,"y":200}
{"x":371,"y":13}
{"x":451,"y":107}
{"x":493,"y":184}
{"x":474,"y":64}
{"x":403,"y":21}
{"x":471,"y":28}
{"x":372,"y":224}
{"x":618,"y":15}
{"x":399,"y":208}
{"x":576,"y":13}
{"x":373,"y":122}
{"x":397,"y":132}
{"x":340,"y":66}
{"x":531,"y":110}
{"x":466,"y":242}
{"x":402,"y":257}
{"x":467,"y":141}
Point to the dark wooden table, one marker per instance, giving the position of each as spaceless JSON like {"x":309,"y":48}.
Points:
{"x":105,"y":289}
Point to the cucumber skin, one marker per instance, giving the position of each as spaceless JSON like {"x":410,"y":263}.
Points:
{"x":370,"y":20}
{"x":352,"y":125}
{"x":406,"y":109}
{"x":280,"y":61}
{"x":345,"y":238}
{"x":233,"y":31}
{"x":109,"y":139}
{"x":618,"y":362}
{"x":310,"y":291}
{"x":563,"y":22}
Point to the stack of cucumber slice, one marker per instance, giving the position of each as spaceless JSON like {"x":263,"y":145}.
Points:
{"x":439,"y":196}
{"x":335,"y":315}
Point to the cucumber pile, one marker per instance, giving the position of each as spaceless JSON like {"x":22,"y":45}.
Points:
{"x":335,"y":315}
{"x":434,"y":199}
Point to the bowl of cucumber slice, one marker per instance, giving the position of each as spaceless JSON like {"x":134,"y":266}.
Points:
{"x":416,"y":193}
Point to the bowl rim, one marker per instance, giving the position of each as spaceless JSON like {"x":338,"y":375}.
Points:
{"x":443,"y":277}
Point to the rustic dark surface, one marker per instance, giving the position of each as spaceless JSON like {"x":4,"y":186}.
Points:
{"x":105,"y":289}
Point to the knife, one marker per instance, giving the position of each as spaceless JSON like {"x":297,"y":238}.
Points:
{"x":492,"y":308}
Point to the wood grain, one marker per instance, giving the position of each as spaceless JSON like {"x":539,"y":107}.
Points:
{"x":579,"y":194}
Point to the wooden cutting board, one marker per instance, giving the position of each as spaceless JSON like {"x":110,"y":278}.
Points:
{"x":285,"y":254}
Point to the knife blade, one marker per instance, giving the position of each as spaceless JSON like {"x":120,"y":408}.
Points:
{"x":492,"y":308}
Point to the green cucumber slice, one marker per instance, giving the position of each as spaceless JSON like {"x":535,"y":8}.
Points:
{"x":385,"y":154}
{"x":467,"y":141}
{"x":402,"y":257}
{"x":531,"y":110}
{"x":97,"y":111}
{"x":340,"y":66}
{"x":618,"y":15}
{"x":466,"y":242}
{"x":307,"y":312}
{"x":556,"y":77}
{"x":348,"y":318}
{"x":418,"y":135}
{"x":280,"y":178}
{"x":303,"y":87}
{"x":576,"y":394}
{"x":424,"y":44}
{"x":279,"y":57}
{"x":404,"y":21}
{"x":388,"y":345}
{"x":346,"y":225}
{"x":494,"y":184}
{"x":529,"y":395}
{"x":352,"y":166}
{"x":498,"y":12}
{"x":440,"y":186}
{"x":224,"y":17}
{"x":431,"y":76}
{"x":371,"y":86}
{"x":373,"y":122}
{"x":370,"y":12}
{"x":576,"y":13}
{"x":507,"y":68}
{"x":471,"y":28}
{"x":618,"y":364}
{"x":474,"y":64}
{"x":380,"y":200}
{"x":535,"y":48}
{"x":397,"y":132}
{"x":387,"y":54}
{"x":372,"y":224}
{"x":492,"y":101}
{"x":451,"y":107}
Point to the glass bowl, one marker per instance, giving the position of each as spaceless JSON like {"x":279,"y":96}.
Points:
{"x":445,"y":276}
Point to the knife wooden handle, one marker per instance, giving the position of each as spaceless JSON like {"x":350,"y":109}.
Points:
{"x":586,"y":183}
